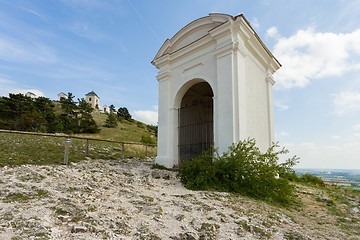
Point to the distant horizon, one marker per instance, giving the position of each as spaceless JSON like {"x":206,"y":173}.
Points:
{"x":329,"y":169}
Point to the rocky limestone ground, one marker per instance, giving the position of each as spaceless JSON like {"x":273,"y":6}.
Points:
{"x":126,"y":199}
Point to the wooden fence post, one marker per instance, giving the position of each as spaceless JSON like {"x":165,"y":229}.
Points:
{"x":87,"y":148}
{"x":67,"y":151}
{"x":122,"y":150}
{"x":146,"y":151}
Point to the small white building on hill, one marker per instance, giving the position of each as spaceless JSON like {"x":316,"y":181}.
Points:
{"x":93,"y":99}
{"x":30,"y":94}
{"x":62,"y":95}
{"x":105,"y":109}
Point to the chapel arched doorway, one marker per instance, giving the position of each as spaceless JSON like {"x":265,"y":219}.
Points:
{"x":196,"y":121}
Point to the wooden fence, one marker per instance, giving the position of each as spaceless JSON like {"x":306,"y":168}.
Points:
{"x":68,"y":137}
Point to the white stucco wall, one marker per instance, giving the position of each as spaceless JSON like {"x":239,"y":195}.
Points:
{"x":237,"y":66}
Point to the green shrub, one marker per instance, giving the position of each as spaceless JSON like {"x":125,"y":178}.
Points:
{"x":111,"y":121}
{"x":308,"y":178}
{"x":305,"y":178}
{"x":291,"y":176}
{"x":152,"y":129}
{"x":147,"y":139}
{"x":140,"y":125}
{"x":243,"y":169}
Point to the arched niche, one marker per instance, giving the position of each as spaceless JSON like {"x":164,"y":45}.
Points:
{"x":196,"y":121}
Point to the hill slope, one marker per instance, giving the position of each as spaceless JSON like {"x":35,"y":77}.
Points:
{"x":127,"y":131}
{"x":22,"y":149}
{"x":126,"y":199}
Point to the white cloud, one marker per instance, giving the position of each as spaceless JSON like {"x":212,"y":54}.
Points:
{"x":309,"y":55}
{"x":146,"y":116}
{"x":356,"y":128}
{"x":346,"y":102}
{"x":272,"y":32}
{"x":336,"y":137}
{"x":345,"y":156}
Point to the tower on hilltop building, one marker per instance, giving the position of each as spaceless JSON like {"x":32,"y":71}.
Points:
{"x":93,"y":99}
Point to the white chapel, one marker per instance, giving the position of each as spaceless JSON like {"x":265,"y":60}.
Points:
{"x":215,"y":88}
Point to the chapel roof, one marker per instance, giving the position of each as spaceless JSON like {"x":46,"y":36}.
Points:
{"x":201,"y":28}
{"x":92,"y":93}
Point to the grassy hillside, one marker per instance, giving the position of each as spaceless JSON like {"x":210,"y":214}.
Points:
{"x":125,"y":131}
{"x":22,"y":149}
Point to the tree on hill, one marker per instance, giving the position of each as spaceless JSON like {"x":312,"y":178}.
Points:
{"x":112,"y":108}
{"x":46,"y":109}
{"x":68,"y":114}
{"x":153,"y":129}
{"x":111,"y":120}
{"x":19,"y":113}
{"x":123,"y":113}
{"x":87,"y":123}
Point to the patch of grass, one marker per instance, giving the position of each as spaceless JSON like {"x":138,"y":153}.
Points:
{"x":293,"y":236}
{"x":12,"y":197}
{"x":18,"y":149}
{"x":158,"y":166}
{"x":42,"y":193}
{"x":60,"y":211}
{"x":245,"y":226}
{"x":25,"y":149}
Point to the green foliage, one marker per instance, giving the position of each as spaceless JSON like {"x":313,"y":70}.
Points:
{"x":68,"y":115}
{"x":140,"y":125}
{"x":147,"y":139}
{"x":153,"y":129}
{"x":308,"y":178}
{"x":158,"y":166}
{"x":111,"y":120}
{"x":19,"y":112}
{"x":123,"y":113}
{"x":87,"y":123}
{"x":305,"y":178}
{"x":243,"y":169}
{"x":112,"y":108}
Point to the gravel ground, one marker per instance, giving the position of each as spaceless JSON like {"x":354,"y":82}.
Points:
{"x":126,"y":199}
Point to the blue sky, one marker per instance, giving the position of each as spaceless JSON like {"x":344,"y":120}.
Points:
{"x":82,"y":45}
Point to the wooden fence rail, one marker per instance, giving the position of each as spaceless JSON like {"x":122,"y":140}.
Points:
{"x":68,"y":137}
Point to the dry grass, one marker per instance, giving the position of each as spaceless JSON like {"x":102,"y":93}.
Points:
{"x":22,"y":149}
